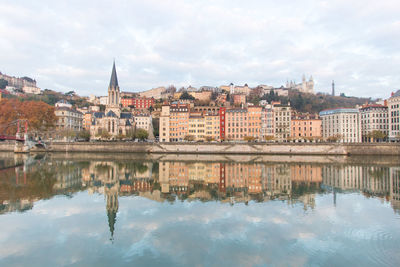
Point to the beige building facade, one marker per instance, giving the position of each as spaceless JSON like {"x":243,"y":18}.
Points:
{"x":68,"y":119}
{"x":282,"y":122}
{"x":197,"y":126}
{"x":374,"y":118}
{"x":212,"y":126}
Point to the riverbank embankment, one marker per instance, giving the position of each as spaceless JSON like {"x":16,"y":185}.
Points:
{"x":392,"y":149}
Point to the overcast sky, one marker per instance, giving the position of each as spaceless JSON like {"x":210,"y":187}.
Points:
{"x":70,"y":45}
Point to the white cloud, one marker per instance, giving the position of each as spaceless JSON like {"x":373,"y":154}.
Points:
{"x":71,"y":44}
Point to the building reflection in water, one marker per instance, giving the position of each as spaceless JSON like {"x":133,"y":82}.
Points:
{"x":25,"y":181}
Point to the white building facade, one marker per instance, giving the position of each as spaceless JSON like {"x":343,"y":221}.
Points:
{"x":394,"y":116}
{"x":267,"y":120}
{"x":143,"y":121}
{"x":341,"y":123}
{"x":282,"y":122}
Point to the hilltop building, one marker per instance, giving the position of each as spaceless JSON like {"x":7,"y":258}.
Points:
{"x":26,"y":84}
{"x":304,"y":87}
{"x":281,"y":91}
{"x":232,"y":89}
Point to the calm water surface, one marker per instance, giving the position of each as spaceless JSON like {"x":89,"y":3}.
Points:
{"x":198,"y":210}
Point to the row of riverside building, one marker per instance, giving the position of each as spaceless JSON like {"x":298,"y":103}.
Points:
{"x":183,"y":121}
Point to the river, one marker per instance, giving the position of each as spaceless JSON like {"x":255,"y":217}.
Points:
{"x":198,"y":210}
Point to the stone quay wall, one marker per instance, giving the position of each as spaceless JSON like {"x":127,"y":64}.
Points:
{"x":224,"y":148}
{"x":7,"y":146}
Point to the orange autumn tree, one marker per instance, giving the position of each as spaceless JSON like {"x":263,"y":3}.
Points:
{"x":8,"y":114}
{"x":40,"y":115}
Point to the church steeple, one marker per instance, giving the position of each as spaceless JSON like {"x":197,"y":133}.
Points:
{"x":113,"y":80}
{"x":113,"y":89}
{"x":112,"y":217}
{"x":112,"y":207}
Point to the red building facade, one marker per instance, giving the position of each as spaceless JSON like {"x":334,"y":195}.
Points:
{"x":138,"y":103}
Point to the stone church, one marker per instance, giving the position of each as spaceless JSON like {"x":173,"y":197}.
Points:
{"x":113,"y":120}
{"x":304,"y":87}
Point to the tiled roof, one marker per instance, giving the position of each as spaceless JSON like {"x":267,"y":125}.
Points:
{"x":98,"y":115}
{"x":126,"y":115}
{"x":111,"y":114}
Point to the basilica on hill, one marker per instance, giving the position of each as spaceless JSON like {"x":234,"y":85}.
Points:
{"x":304,"y":87}
{"x":113,"y":121}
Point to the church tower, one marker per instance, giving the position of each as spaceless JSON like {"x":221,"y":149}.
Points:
{"x":113,"y":90}
{"x":112,"y":208}
{"x":310,"y":85}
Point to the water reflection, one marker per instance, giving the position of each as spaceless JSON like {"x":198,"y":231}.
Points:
{"x":26,"y":179}
{"x":193,"y":206}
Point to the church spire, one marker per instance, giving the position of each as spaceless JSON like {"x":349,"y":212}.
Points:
{"x":113,"y":89}
{"x":112,"y":217}
{"x":113,"y":80}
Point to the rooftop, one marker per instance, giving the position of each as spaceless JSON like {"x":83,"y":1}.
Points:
{"x":373,"y":106}
{"x":338,"y":110}
{"x":396,"y":94}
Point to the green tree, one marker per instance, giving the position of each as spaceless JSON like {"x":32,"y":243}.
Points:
{"x":70,"y":93}
{"x":269,"y":138}
{"x":334,"y":138}
{"x":3,"y":84}
{"x":68,"y":133}
{"x":141,"y":134}
{"x":120,"y":136}
{"x":377,"y":135}
{"x":249,"y":138}
{"x":185,"y":95}
{"x":84,"y":134}
{"x":189,"y":137}
{"x":209,"y":138}
{"x":156,"y":126}
{"x":130,"y":134}
{"x":105,"y":135}
{"x":214,"y":95}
